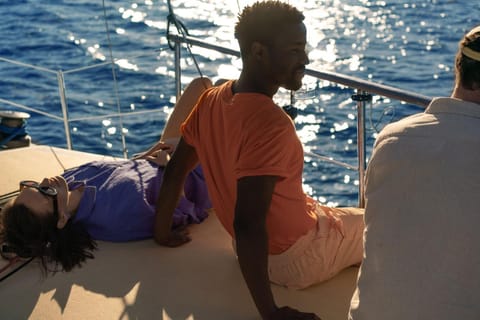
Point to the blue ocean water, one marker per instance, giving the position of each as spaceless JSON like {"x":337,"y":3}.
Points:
{"x":406,"y":45}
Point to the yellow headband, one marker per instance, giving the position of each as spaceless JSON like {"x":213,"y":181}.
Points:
{"x":473,"y":31}
{"x":471,"y":54}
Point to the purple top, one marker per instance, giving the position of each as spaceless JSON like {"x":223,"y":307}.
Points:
{"x":118,"y":203}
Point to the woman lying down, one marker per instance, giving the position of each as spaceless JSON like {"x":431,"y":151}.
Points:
{"x":58,"y":219}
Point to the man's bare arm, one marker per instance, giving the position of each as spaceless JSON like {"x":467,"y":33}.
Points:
{"x":254,"y":195}
{"x":183,"y":160}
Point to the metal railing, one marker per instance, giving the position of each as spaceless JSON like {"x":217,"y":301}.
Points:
{"x":364,"y":89}
{"x":66,"y":118}
{"x":363,"y":95}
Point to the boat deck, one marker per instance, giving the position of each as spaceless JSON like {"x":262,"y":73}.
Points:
{"x":140,"y":280}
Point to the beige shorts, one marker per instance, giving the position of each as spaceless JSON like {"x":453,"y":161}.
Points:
{"x":335,"y":244}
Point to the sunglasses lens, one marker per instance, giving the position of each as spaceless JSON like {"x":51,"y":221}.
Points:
{"x":28,"y":183}
{"x":48,"y":191}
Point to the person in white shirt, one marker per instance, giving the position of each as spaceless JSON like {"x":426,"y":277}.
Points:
{"x":422,"y":238}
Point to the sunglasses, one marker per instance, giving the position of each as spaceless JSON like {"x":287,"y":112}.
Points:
{"x":46,"y":190}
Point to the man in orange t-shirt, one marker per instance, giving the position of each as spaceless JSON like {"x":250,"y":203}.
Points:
{"x":252,"y":159}
{"x":244,"y":135}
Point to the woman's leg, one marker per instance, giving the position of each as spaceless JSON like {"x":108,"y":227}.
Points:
{"x":159,"y":152}
{"x":183,"y":107}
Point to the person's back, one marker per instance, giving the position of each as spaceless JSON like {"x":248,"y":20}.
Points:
{"x":244,"y":135}
{"x":422,"y":245}
{"x":426,"y":253}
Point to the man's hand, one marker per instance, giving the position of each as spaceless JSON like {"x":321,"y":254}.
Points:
{"x":183,"y":161}
{"x":175,"y":238}
{"x":287,"y":313}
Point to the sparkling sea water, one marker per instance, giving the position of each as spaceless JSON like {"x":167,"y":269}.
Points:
{"x":406,"y":45}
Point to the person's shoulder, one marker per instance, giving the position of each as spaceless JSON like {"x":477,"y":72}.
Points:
{"x":271,"y":115}
{"x":402,"y":126}
{"x":223,"y":88}
{"x":215,"y":94}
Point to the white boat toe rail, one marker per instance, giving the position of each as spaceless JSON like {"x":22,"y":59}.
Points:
{"x":364,"y":90}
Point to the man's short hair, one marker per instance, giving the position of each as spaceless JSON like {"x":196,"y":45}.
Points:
{"x":467,"y":61}
{"x":263,"y":21}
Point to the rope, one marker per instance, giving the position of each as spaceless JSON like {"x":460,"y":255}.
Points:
{"x":9,"y":264}
{"x":16,"y":269}
{"x":182,"y":30}
{"x":12,"y":133}
{"x":115,"y":85}
{"x":5,"y":197}
{"x":58,"y":159}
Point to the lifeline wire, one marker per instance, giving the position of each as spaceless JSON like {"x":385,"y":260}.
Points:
{"x":115,"y":85}
{"x":385,"y":112}
{"x":181,"y":30}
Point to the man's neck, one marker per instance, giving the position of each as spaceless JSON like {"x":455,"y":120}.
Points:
{"x":466,"y":95}
{"x":253,"y":84}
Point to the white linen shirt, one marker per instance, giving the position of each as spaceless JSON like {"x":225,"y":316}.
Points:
{"x":422,"y":235}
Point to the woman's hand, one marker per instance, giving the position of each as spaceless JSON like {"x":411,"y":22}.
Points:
{"x":160,"y":157}
{"x":158,"y":153}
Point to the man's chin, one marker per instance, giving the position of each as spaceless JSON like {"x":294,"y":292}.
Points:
{"x":294,"y":86}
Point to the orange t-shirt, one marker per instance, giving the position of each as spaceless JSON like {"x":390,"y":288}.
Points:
{"x":247,"y":134}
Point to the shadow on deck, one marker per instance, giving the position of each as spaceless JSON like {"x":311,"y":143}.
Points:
{"x":140,"y":280}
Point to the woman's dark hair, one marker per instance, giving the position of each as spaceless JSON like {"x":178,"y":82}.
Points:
{"x":467,"y":69}
{"x":263,"y":21}
{"x":31,"y":235}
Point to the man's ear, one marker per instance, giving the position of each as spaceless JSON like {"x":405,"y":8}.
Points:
{"x":258,"y":50}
